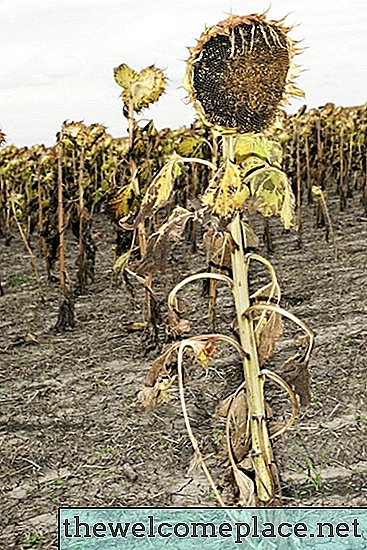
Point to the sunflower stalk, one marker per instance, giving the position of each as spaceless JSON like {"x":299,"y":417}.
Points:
{"x":29,"y":251}
{"x":82,"y":216}
{"x":261,"y":446}
{"x":66,"y":304}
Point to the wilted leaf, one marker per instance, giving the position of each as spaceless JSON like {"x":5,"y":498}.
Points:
{"x":122,"y":202}
{"x":175,"y":224}
{"x":148,"y":397}
{"x":140,"y":89}
{"x":204,"y":350}
{"x":125,"y":75}
{"x":226,"y":192}
{"x":257,"y":148}
{"x":159,"y":191}
{"x":239,"y":423}
{"x":269,"y":336}
{"x":271,"y":194}
{"x":159,"y":243}
{"x":151,"y":397}
{"x":148,"y":88}
{"x":177,"y":326}
{"x":296,"y":373}
{"x":218,"y":249}
{"x":121,"y":263}
{"x":246,"y":488}
{"x":261,"y":161}
{"x":162,"y":364}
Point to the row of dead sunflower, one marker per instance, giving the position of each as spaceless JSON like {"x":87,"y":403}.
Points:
{"x":94,"y":171}
{"x":29,"y":200}
{"x":325,"y":152}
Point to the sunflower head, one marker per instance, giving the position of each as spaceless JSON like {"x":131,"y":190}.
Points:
{"x":142,"y":89}
{"x":240,"y":72}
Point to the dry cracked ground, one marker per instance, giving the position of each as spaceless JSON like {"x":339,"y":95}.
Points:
{"x":73,"y":434}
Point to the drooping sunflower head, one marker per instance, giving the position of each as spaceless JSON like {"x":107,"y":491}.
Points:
{"x":240,"y":72}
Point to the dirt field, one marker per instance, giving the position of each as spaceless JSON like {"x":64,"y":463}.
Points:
{"x":73,"y":434}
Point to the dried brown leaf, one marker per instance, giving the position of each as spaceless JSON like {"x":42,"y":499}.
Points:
{"x":218,"y":250}
{"x":296,"y":373}
{"x":177,"y":326}
{"x":239,"y":424}
{"x":135,"y":326}
{"x":162,"y":364}
{"x":246,"y":489}
{"x":159,"y":243}
{"x":148,"y":397}
{"x":204,"y":351}
{"x":269,"y":336}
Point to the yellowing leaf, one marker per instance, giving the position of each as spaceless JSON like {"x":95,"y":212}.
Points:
{"x":271,"y":194}
{"x":122,"y":202}
{"x":226,"y":192}
{"x":254,"y":149}
{"x":191,"y":146}
{"x":286,"y":213}
{"x":121,"y":263}
{"x":159,"y":191}
{"x":125,"y":75}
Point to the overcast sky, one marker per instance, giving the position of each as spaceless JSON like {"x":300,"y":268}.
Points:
{"x":57,"y":56}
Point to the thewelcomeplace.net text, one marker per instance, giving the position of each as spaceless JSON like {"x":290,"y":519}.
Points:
{"x":238,"y":531}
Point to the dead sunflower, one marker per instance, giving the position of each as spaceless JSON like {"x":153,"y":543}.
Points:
{"x":240,"y":72}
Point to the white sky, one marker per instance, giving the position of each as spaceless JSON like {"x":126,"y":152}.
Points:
{"x":57,"y":56}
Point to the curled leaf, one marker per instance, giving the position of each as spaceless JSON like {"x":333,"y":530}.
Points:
{"x":125,"y":75}
{"x":226,"y":192}
{"x":177,"y":326}
{"x":296,"y":374}
{"x":159,"y":191}
{"x":160,"y":242}
{"x":268,"y":337}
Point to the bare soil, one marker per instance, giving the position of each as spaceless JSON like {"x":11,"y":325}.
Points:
{"x":73,"y":434}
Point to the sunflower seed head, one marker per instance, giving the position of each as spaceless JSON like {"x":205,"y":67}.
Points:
{"x":240,"y":72}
